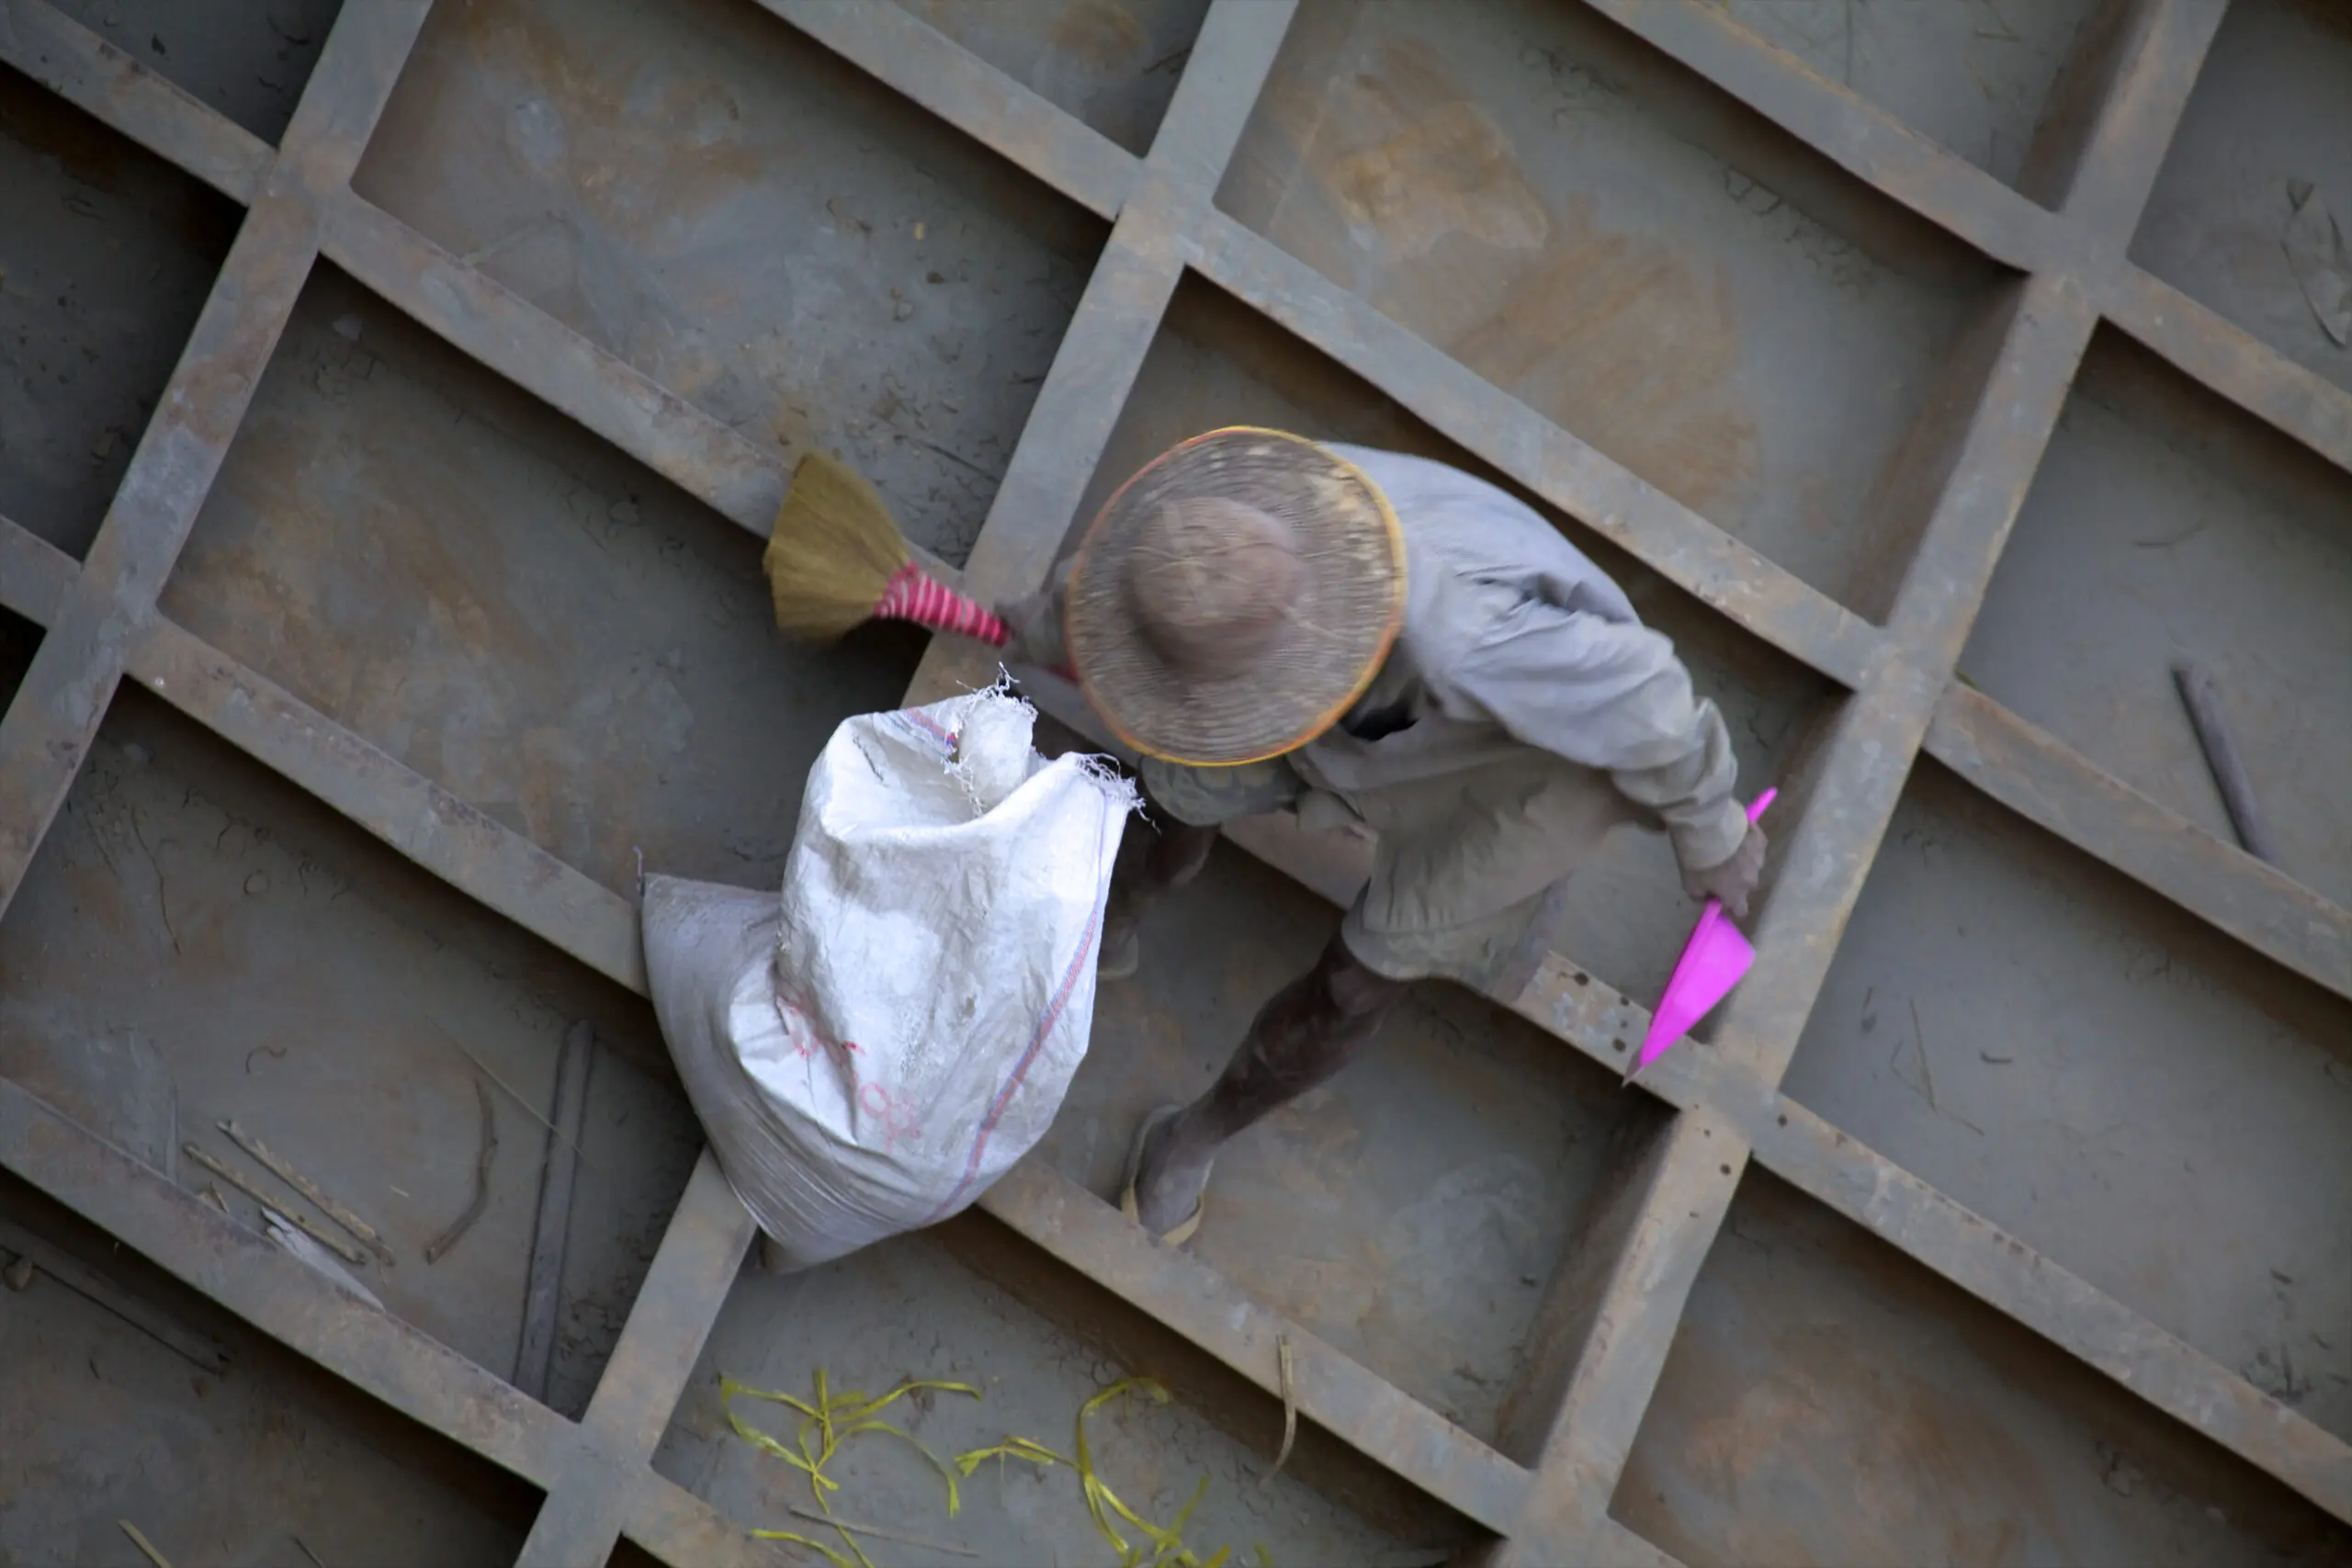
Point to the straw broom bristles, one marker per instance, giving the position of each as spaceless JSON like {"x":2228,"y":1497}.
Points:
{"x":834,"y":550}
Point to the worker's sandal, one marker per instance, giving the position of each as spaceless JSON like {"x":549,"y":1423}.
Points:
{"x":1182,"y":1231}
{"x":1121,"y":953}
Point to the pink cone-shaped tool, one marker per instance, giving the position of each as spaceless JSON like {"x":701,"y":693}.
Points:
{"x":1713,"y":962}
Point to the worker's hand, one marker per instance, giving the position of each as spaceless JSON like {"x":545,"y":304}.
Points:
{"x":1733,"y":880}
{"x":1035,"y":623}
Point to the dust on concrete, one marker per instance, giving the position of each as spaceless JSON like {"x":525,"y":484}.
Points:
{"x":531,"y":620}
{"x":809,"y":259}
{"x":1619,"y":249}
{"x":1114,"y":64}
{"x":2156,"y":1110}
{"x":1829,"y":1401}
{"x":245,"y":956}
{"x":249,"y":60}
{"x":106,"y":256}
{"x":103,"y":1423}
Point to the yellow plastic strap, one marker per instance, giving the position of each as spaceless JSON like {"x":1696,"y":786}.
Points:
{"x":838,"y":1560}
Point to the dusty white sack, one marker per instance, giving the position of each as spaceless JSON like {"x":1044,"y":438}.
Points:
{"x":868,"y":1053}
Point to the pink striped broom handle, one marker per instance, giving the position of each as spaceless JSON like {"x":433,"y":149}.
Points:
{"x":914,"y":597}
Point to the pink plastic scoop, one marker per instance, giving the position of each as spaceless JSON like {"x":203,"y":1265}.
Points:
{"x":1713,"y":962}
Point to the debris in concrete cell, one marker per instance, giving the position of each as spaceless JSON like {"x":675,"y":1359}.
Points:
{"x":2199,"y":696}
{"x":851,"y":1526}
{"x":311,"y":1228}
{"x":833,"y":205}
{"x":2123,"y":1476}
{"x":508,"y":1089}
{"x":285,"y":21}
{"x":1995,"y":1057}
{"x":18,"y":1274}
{"x":306,"y":1550}
{"x":257,"y":883}
{"x":144,"y":1544}
{"x":2314,"y":248}
{"x":1290,"y":1407}
{"x":543,"y":1284}
{"x":347,"y":327}
{"x":487,"y":1153}
{"x":833,"y":1419}
{"x":919,"y":229}
{"x":280,"y":1166}
{"x":276,"y":1227}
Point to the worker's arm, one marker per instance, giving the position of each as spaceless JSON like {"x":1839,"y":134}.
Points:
{"x":1612,"y":694}
{"x":1036,"y":624}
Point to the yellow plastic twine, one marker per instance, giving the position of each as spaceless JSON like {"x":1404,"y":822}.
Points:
{"x":1161,"y":1547}
{"x":832,"y":1420}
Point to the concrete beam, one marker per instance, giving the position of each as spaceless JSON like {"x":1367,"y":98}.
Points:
{"x":2048,"y":784}
{"x":1222,"y":79}
{"x":1359,"y":1407}
{"x":895,"y":47}
{"x":1491,"y":424}
{"x":1868,"y":143}
{"x":100,"y":79}
{"x":506,"y":872}
{"x":701,"y":1252}
{"x":2071,"y":1313}
{"x":2221,"y":354}
{"x":2112,"y":115}
{"x":57,"y":710}
{"x":1622,"y":1304}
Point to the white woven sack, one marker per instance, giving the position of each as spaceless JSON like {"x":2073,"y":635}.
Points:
{"x":870,"y":1052}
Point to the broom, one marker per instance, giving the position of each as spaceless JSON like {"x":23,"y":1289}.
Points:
{"x":837,"y":561}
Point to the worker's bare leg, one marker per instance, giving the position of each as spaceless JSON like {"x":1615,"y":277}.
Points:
{"x":1310,"y":1028}
{"x":1152,"y":860}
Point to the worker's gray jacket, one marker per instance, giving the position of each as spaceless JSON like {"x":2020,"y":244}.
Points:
{"x":1512,"y":639}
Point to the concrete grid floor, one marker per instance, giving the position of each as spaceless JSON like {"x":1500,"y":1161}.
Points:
{"x":1933,"y":375}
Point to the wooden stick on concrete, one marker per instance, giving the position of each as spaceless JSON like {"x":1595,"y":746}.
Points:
{"x":302,"y":1222}
{"x":544,"y":1286}
{"x":278,"y":1167}
{"x":77,"y":1276}
{"x":2198,"y":694}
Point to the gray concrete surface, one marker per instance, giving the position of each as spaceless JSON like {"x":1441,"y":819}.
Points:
{"x":810,"y":258}
{"x":1828,"y":1401}
{"x":1114,"y":64}
{"x":2150,"y":1108}
{"x":1974,"y":74}
{"x":510,"y":607}
{"x":2165,"y":526}
{"x":2270,"y":108}
{"x":908,"y":1309}
{"x":1624,"y":249}
{"x":199,"y":943}
{"x":247,"y":61}
{"x":110,"y":254}
{"x":252,"y":1466}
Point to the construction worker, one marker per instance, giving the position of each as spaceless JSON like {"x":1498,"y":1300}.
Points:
{"x":1364,"y":638}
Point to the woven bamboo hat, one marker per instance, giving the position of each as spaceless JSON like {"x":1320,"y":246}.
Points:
{"x":1235,"y":598}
